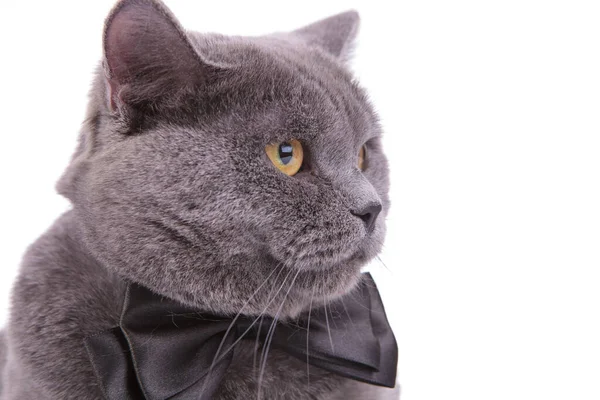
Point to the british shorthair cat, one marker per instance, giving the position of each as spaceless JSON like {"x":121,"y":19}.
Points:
{"x":222,"y":179}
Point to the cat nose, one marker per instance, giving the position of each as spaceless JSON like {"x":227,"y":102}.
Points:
{"x":369,"y":215}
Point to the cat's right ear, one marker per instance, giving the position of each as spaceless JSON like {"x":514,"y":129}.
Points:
{"x":335,"y":34}
{"x":148,"y":57}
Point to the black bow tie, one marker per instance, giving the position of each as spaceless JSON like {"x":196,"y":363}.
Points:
{"x":164,"y":350}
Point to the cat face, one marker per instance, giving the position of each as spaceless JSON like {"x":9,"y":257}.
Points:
{"x":173,"y":182}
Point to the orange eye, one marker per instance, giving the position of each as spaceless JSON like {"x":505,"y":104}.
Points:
{"x":286,"y":156}
{"x":362,"y":156}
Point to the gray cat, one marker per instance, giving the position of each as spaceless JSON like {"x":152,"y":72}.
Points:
{"x":206,"y":163}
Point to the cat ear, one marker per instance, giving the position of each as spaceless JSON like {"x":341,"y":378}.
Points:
{"x":147,"y":54}
{"x":335,"y":34}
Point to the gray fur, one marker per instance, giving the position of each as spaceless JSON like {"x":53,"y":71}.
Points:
{"x":171,"y":188}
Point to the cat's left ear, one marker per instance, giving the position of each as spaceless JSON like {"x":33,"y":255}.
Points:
{"x":148,"y":57}
{"x":335,"y":34}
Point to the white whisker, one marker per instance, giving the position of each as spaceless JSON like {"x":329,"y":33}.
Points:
{"x":326,"y":317}
{"x":214,"y":361}
{"x":257,"y":318}
{"x":256,"y":345}
{"x":271,"y":334}
{"x":382,"y":263}
{"x":328,"y":329}
{"x":307,"y":340}
{"x":242,"y":309}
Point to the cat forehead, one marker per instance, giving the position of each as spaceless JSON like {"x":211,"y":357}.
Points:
{"x":282,"y":47}
{"x":281,"y":69}
{"x":277,"y":59}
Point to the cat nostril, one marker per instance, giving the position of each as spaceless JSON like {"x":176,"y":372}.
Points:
{"x":369,"y":215}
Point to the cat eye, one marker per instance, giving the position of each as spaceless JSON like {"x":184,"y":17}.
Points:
{"x":286,"y":156}
{"x":362,"y":156}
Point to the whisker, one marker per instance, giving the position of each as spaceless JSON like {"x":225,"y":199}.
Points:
{"x":307,"y":341}
{"x":256,"y":319}
{"x":261,"y":316}
{"x":256,"y":345}
{"x":346,"y":310}
{"x":216,"y":357}
{"x":240,"y":312}
{"x":324,"y":295}
{"x":333,"y":316}
{"x":270,"y":335}
{"x":328,"y":329}
{"x":381,"y":261}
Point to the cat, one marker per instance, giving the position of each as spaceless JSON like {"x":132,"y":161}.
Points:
{"x":172,"y":186}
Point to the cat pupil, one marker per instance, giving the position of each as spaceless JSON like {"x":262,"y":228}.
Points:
{"x":286,"y":151}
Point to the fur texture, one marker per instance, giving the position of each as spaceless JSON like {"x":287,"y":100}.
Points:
{"x":171,"y":188}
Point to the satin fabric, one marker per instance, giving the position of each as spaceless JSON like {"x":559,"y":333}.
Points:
{"x":164,"y":350}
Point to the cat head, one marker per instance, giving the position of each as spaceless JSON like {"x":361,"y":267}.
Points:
{"x":230,"y":173}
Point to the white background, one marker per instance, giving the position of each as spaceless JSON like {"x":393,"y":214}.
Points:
{"x":492,"y":118}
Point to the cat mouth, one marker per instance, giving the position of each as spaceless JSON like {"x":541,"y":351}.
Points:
{"x":349,"y":251}
{"x":329,"y":283}
{"x":311,"y":251}
{"x":324,"y":260}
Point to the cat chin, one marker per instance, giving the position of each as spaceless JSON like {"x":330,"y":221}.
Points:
{"x":325,"y":284}
{"x":323,"y":291}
